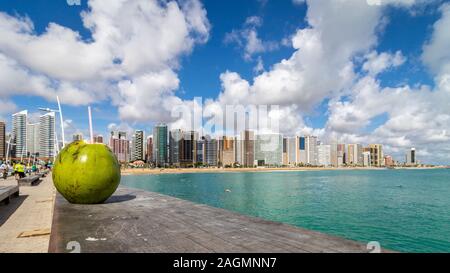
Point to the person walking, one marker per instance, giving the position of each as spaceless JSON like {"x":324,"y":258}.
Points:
{"x":20,"y":170}
{"x":4,"y":170}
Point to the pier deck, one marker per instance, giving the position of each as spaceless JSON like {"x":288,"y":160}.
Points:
{"x":139,"y":221}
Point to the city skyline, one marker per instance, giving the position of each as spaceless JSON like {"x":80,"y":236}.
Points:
{"x":388,"y":84}
{"x":181,"y":148}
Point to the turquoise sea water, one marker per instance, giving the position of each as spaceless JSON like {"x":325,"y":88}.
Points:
{"x":404,"y":210}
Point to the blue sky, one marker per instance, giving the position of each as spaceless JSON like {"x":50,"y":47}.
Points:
{"x":406,"y":28}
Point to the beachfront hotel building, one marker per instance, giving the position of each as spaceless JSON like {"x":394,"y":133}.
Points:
{"x":269,"y":150}
{"x":160,"y":141}
{"x":77,"y":137}
{"x":2,"y":140}
{"x":188,"y":149}
{"x":354,"y":155}
{"x":324,"y":155}
{"x":200,"y":151}
{"x":411,"y":157}
{"x":291,"y":151}
{"x":210,"y":150}
{"x":366,"y":159}
{"x":98,"y":139}
{"x":33,"y":142}
{"x":301,"y":155}
{"x":248,"y":148}
{"x":227,"y":151}
{"x":19,"y":134}
{"x":120,"y":146}
{"x":174,"y":147}
{"x":47,"y":143}
{"x":149,"y":150}
{"x":138,"y":146}
{"x":311,"y":150}
{"x":376,"y":155}
{"x":238,"y":150}
{"x":341,"y":159}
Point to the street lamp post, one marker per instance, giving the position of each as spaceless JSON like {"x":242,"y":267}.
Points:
{"x":7,"y":150}
{"x":62,"y":122}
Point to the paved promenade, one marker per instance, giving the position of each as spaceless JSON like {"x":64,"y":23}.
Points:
{"x":139,"y":221}
{"x":30,"y":215}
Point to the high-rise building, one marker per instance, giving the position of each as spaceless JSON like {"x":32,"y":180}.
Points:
{"x":47,"y":135}
{"x":210,"y":151}
{"x":226,"y":151}
{"x":149,"y":154}
{"x":174,"y":146}
{"x":411,"y":157}
{"x":2,"y":140}
{"x":269,"y":149}
{"x":354,"y":155}
{"x":324,"y":155}
{"x":188,"y":149}
{"x":77,"y":137}
{"x":301,"y":154}
{"x":341,"y":160}
{"x":98,"y":139}
{"x":285,"y":152}
{"x":311,"y":150}
{"x":138,"y":146}
{"x":238,"y":150}
{"x":160,"y":142}
{"x":120,"y":146}
{"x":248,"y":148}
{"x":201,"y":151}
{"x":376,"y":155}
{"x":334,"y":154}
{"x":33,"y":141}
{"x":292,"y":150}
{"x":366,"y":159}
{"x":19,"y":134}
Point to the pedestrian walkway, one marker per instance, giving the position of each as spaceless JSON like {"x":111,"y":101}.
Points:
{"x":25,"y":223}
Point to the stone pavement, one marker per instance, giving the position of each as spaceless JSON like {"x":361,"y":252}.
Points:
{"x":139,"y":221}
{"x":32,"y":210}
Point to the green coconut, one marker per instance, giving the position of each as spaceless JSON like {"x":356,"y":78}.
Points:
{"x":86,"y":173}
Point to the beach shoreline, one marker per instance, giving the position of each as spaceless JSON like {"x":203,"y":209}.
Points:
{"x":157,"y":171}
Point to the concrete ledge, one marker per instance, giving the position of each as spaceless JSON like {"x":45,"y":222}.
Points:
{"x":139,"y":221}
{"x":6,"y":192}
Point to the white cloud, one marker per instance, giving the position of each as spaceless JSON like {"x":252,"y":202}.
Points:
{"x":247,"y":38}
{"x":436,"y":52}
{"x":6,"y":107}
{"x":377,"y":63}
{"x":323,"y":66}
{"x":259,"y":67}
{"x":134,"y":42}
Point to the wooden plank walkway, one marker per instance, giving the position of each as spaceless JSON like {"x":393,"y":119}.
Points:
{"x":139,"y":221}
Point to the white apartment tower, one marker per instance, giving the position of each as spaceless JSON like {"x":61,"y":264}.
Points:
{"x":33,"y":138}
{"x":19,"y":133}
{"x":47,"y":135}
